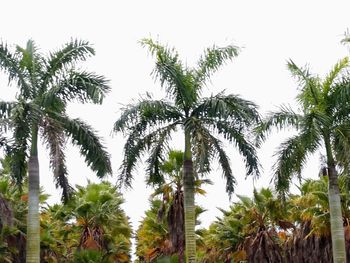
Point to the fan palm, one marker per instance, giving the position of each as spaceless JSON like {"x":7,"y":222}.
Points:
{"x":322,"y":122}
{"x":150,"y":123}
{"x":46,"y":84}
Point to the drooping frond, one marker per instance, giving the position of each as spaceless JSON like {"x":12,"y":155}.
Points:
{"x":292,"y":155}
{"x":228,"y":107}
{"x":136,"y":144}
{"x":69,"y":55}
{"x":81,"y":86}
{"x":89,"y":143}
{"x":339,"y":99}
{"x":21,"y":116}
{"x":10,"y":64}
{"x":284,"y":118}
{"x":213,"y":58}
{"x":54,"y":138}
{"x":145,"y":114}
{"x":224,"y":162}
{"x":244,"y":146}
{"x":158,"y":149}
{"x":5,"y":109}
{"x":334,"y":74}
{"x":172,"y":75}
{"x":341,"y":144}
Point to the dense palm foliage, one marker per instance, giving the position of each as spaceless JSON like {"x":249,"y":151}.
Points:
{"x":91,"y":226}
{"x":162,"y":231}
{"x":150,"y":123}
{"x":323,"y":123}
{"x":46,"y":83}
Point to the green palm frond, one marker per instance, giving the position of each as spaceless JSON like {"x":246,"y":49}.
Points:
{"x":6,"y":108}
{"x":284,"y":118}
{"x":334,"y":74}
{"x":339,"y":99}
{"x":136,"y":145}
{"x":146,"y":114}
{"x":9,"y":63}
{"x":31,"y":62}
{"x":177,"y":82}
{"x":69,"y":55}
{"x":245,"y":148}
{"x":22,"y":115}
{"x":309,"y":85}
{"x":228,"y":107}
{"x":224,"y":162}
{"x":158,"y":149}
{"x":89,"y":143}
{"x":82,"y":86}
{"x":54,"y":138}
{"x":341,"y":144}
{"x":213,"y":58}
{"x":292,"y":155}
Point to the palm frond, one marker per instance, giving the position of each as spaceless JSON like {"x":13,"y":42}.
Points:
{"x":136,"y":145}
{"x":145,"y":114}
{"x":81,"y":86}
{"x":10,"y":64}
{"x":334,"y":73}
{"x":224,"y":162}
{"x":228,"y":107}
{"x":54,"y":138}
{"x":158,"y":149}
{"x":339,"y":99}
{"x":178,"y":83}
{"x":284,"y":118}
{"x":309,"y":84}
{"x":22,"y":116}
{"x":213,"y":58}
{"x":292,"y":155}
{"x":89,"y":143}
{"x":5,"y":109}
{"x":341,"y":144}
{"x":72,"y":52}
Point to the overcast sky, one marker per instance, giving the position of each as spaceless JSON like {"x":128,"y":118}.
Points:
{"x":270,"y":32}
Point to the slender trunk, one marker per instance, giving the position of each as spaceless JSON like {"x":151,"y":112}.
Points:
{"x":189,"y":207}
{"x":33,"y":221}
{"x":337,"y":228}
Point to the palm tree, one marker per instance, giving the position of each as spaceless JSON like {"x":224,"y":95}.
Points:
{"x":171,"y":189}
{"x":150,"y":123}
{"x":46,"y":84}
{"x":322,"y":123}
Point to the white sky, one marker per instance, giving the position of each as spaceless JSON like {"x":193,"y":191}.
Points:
{"x":270,"y":32}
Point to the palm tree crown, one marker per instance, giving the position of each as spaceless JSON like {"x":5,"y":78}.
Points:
{"x":150,"y":123}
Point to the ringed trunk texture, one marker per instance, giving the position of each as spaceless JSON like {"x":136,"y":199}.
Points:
{"x":336,"y":218}
{"x":189,"y":207}
{"x":33,"y":221}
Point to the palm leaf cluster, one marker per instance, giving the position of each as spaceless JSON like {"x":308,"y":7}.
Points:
{"x":149,"y":123}
{"x":47,"y":83}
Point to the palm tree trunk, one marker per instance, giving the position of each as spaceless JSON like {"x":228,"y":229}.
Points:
{"x":189,"y":207}
{"x":336,"y":218}
{"x":33,"y":221}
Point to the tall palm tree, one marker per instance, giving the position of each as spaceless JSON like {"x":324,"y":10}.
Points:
{"x":46,"y":83}
{"x":322,"y":123}
{"x":150,"y":123}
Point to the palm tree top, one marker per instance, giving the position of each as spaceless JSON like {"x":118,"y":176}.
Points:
{"x":149,"y":123}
